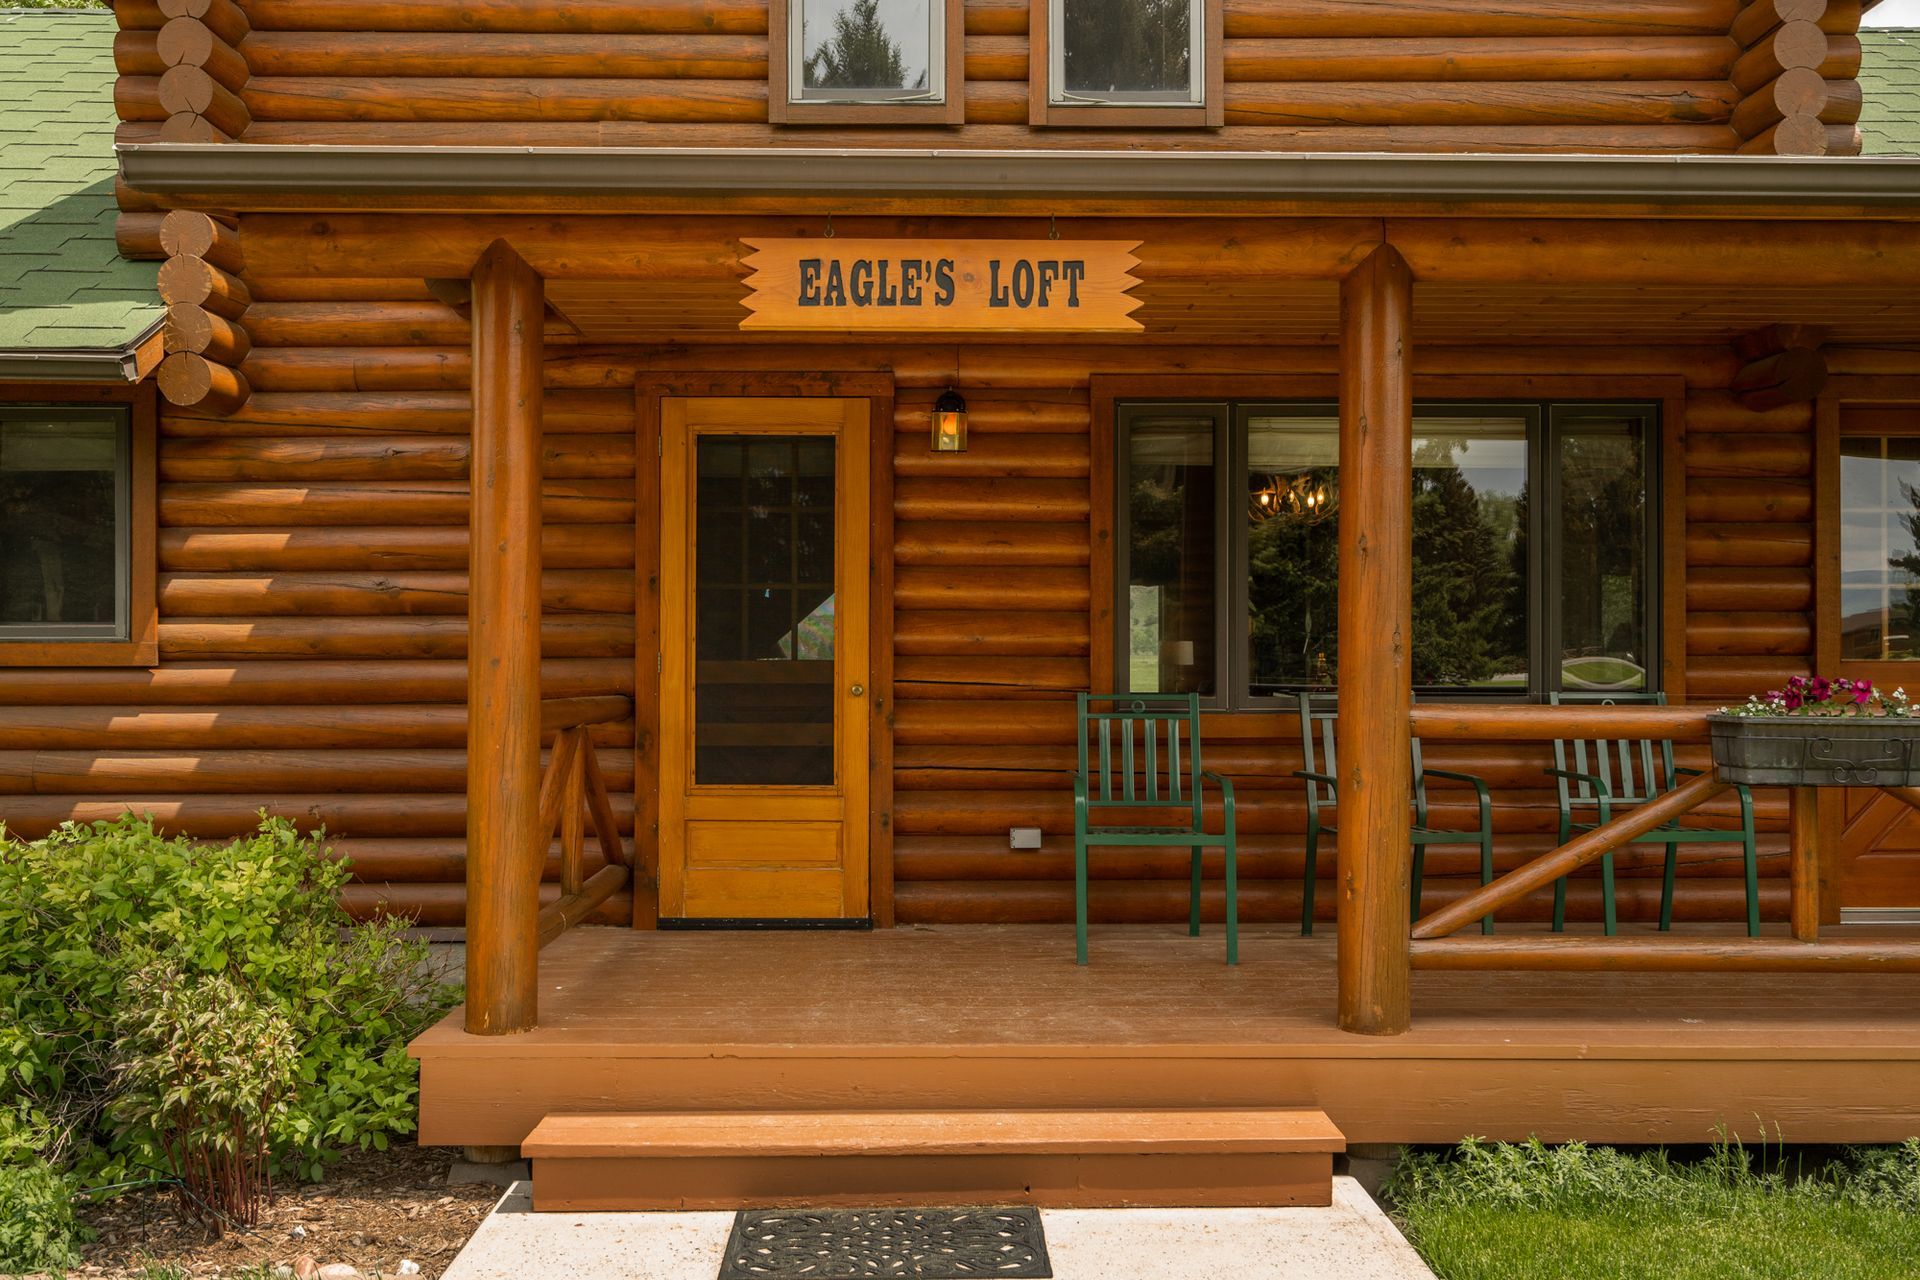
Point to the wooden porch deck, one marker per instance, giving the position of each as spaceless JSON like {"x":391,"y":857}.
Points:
{"x":994,"y":1016}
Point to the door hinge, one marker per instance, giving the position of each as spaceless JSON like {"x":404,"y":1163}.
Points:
{"x":659,"y":663}
{"x":660,"y":446}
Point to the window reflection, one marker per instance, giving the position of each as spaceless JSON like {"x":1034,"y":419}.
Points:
{"x":1127,"y":51}
{"x":1170,"y":553}
{"x":867,"y":49}
{"x":63,"y":525}
{"x":1879,"y":561}
{"x":1603,"y":553}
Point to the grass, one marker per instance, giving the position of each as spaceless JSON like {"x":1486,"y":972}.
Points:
{"x":1520,"y":1211}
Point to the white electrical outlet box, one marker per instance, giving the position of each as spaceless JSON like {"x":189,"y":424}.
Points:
{"x":1023,"y":838}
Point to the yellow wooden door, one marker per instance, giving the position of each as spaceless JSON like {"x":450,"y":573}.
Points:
{"x":764,"y":663}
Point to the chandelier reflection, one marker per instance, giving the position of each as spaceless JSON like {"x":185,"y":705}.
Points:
{"x":1302,"y":497}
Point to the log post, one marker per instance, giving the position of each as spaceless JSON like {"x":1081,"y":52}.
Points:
{"x":503,"y":666}
{"x":1376,"y":628}
{"x":1803,"y":843}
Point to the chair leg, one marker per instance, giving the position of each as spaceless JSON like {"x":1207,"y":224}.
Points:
{"x":1486,"y":875}
{"x":1193,"y":899}
{"x":1308,"y":881}
{"x":1560,"y":905}
{"x":1666,"y":886}
{"x":1606,"y":894}
{"x":1080,"y":899}
{"x":1233,"y":899}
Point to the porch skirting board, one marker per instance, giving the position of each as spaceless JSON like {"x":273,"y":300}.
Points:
{"x":996,"y":1017}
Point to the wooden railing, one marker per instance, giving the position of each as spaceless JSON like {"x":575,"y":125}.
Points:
{"x":1433,"y":947}
{"x":573,"y":796}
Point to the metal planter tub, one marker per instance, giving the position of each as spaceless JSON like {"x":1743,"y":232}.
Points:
{"x":1817,"y":751}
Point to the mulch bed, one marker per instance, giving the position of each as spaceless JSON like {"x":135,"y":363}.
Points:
{"x":375,"y":1209}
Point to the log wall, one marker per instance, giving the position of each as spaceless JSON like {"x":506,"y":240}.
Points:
{"x":312,"y":593}
{"x":1423,"y":75}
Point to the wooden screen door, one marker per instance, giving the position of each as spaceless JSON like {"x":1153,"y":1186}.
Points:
{"x":764,"y":666}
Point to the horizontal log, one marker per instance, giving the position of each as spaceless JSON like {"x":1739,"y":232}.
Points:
{"x":557,"y":917}
{"x":596,"y":17}
{"x":417,"y":860}
{"x":1509,"y":103}
{"x":191,"y":91}
{"x":1057,"y":413}
{"x":409,"y":54}
{"x":226,"y":639}
{"x":1561,"y":19}
{"x":1457,"y":722}
{"x":1767,"y":589}
{"x":224,"y":18}
{"x":359,"y":368}
{"x":941,"y":499}
{"x":196,"y":382}
{"x":983,"y":723}
{"x":944,"y":542}
{"x":367,"y":457}
{"x":993,"y":456}
{"x":264,"y":683}
{"x":137,"y":236}
{"x":342,"y":594}
{"x":520,"y":98}
{"x":400,"y":502}
{"x":1016,"y":589}
{"x":1027,"y":634}
{"x":605,"y":546}
{"x":1752,"y":545}
{"x":1713,"y":411}
{"x":1768,"y":456}
{"x":1737,"y":500}
{"x":198,"y":331}
{"x":137,"y":98}
{"x":946,"y":676}
{"x":1667,"y":954}
{"x":1472,"y":58}
{"x":399,"y":725}
{"x":197,"y":282}
{"x":219,"y":817}
{"x":579,"y":411}
{"x":191,"y":234}
{"x":185,"y":126}
{"x":1749,"y":633}
{"x":445,"y":905}
{"x":1793,"y":44}
{"x":1733,"y":678}
{"x":137,"y":53}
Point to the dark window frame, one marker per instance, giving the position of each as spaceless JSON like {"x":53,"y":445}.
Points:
{"x":783,"y":26}
{"x":1232,"y":580}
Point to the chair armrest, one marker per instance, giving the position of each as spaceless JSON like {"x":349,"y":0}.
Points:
{"x":1451,"y":776}
{"x":1599,"y":783}
{"x":1226,"y":790}
{"x":1310,"y":776}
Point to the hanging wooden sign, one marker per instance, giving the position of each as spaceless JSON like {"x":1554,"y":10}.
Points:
{"x":923,"y":286}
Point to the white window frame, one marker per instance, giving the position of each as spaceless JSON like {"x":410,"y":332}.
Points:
{"x":1057,"y":94}
{"x":935,"y":92}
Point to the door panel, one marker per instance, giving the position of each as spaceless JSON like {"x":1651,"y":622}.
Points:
{"x":764,"y":664}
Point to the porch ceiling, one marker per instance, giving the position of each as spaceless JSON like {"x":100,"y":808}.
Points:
{"x":1306,"y":312}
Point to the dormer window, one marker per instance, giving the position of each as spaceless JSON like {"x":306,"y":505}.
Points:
{"x":866,"y":61}
{"x":1126,"y":63}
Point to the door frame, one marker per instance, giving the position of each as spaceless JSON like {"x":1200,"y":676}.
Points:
{"x":1841,"y":392}
{"x":877,"y":388}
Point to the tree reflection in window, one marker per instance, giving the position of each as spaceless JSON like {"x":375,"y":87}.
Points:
{"x":1879,"y":547}
{"x":865,"y":46}
{"x":1139,"y":50}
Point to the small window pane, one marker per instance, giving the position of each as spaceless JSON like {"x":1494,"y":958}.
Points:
{"x":868,"y":50}
{"x":1470,"y":553}
{"x":1170,"y":553}
{"x":1879,"y":560}
{"x":1293,"y":547}
{"x":1604,"y":635}
{"x":63,"y":523}
{"x":1127,"y":51}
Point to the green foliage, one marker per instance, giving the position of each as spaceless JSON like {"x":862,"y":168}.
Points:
{"x":1504,"y":1211}
{"x":114,"y":938}
{"x":59,"y":4}
{"x":860,"y":55}
{"x":37,"y":1224}
{"x":203,"y":1073}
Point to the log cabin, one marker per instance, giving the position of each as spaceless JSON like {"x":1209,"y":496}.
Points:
{"x":650,"y":477}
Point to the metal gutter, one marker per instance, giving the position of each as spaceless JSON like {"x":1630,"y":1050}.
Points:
{"x":228,"y":168}
{"x":76,"y":364}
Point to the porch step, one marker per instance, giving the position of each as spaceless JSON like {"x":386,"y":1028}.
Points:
{"x":1055,"y":1159}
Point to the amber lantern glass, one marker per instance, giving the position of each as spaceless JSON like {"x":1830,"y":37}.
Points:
{"x":950,"y":423}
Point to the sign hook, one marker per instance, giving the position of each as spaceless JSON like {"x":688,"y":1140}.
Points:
{"x":829,"y":226}
{"x":1053,"y":226}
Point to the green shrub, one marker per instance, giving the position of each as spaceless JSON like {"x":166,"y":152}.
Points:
{"x":85,"y":910}
{"x":37,"y":1226}
{"x":203,"y":1072}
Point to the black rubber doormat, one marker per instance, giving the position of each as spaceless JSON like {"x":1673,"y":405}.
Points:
{"x":912,"y":1244}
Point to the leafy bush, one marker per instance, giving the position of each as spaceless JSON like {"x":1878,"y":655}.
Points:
{"x":37,"y":1226}
{"x":88,"y":913}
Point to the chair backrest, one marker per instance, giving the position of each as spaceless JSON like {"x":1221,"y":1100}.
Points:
{"x":1141,"y":750}
{"x":1628,"y":765}
{"x":1319,"y":722}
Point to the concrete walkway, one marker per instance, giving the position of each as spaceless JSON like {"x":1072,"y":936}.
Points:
{"x":1351,"y":1240}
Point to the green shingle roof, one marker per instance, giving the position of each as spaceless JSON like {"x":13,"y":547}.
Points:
{"x":1890,"y":83}
{"x":63,"y":285}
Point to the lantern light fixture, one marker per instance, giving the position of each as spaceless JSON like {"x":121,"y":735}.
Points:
{"x":950,"y":423}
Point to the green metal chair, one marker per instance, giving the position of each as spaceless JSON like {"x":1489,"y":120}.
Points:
{"x":1318,"y":714}
{"x":1161,"y":778}
{"x":1597,"y":778}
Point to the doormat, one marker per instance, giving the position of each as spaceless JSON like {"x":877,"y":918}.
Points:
{"x":912,"y":1244}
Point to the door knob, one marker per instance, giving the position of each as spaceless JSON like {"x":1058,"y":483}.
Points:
{"x":857,"y":690}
